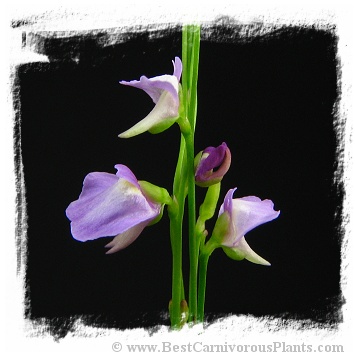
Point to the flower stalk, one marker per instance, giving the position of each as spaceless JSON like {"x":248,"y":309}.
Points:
{"x":175,"y":215}
{"x":205,"y":254}
{"x":190,"y":55}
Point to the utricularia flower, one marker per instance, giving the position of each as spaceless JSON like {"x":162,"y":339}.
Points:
{"x":212,"y":164}
{"x":164,"y":91}
{"x":237,"y":217}
{"x":114,"y":206}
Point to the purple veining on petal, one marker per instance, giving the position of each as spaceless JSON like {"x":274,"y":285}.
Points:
{"x":96,"y":182}
{"x":109,"y":205}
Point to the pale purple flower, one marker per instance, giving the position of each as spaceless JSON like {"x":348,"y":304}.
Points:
{"x":164,"y":91}
{"x":111,"y":205}
{"x":212,"y":164}
{"x":243,"y":215}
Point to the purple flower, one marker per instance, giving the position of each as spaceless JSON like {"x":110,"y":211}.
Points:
{"x":111,"y":205}
{"x":212,"y":164}
{"x":164,"y":91}
{"x":236,"y":218}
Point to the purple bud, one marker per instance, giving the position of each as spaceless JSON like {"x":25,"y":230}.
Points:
{"x":212,"y":164}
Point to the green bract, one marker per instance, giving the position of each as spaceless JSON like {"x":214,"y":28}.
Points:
{"x":156,"y":193}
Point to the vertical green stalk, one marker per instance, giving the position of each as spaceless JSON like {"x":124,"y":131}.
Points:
{"x":184,"y":176}
{"x":206,"y":251}
{"x":176,"y":245}
{"x":193,"y":246}
{"x":185,"y":63}
{"x":190,"y":55}
{"x":194,"y":77}
{"x":176,"y":213}
{"x":203,"y":262}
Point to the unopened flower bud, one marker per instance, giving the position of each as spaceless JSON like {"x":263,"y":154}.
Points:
{"x":212,"y":164}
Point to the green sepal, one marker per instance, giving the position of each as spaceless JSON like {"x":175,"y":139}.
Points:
{"x":221,"y":228}
{"x":155,"y":193}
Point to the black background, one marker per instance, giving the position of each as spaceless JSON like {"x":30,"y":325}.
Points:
{"x":271,"y":98}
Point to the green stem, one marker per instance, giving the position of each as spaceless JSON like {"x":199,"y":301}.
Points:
{"x":203,"y":262}
{"x":192,"y":113}
{"x":190,"y":56}
{"x":176,"y":213}
{"x":179,"y":179}
{"x":182,"y":287}
{"x":185,"y":61}
{"x":176,"y":245}
{"x":193,"y":246}
{"x":206,"y":251}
